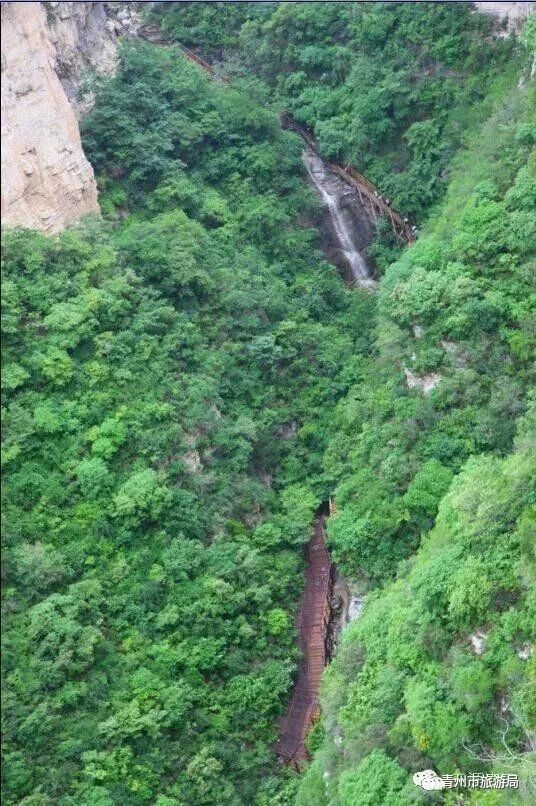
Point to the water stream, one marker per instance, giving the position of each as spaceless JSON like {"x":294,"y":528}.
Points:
{"x":326,"y":185}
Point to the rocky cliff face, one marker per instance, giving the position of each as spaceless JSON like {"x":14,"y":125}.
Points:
{"x":346,"y":228}
{"x":83,"y":42}
{"x":514,"y":14}
{"x":84,"y":36}
{"x":47,"y":49}
{"x":47,"y":182}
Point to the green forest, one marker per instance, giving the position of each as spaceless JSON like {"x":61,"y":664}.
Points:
{"x":187,"y":379}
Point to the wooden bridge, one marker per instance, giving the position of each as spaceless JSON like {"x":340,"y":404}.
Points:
{"x":369,"y":195}
{"x":314,"y":641}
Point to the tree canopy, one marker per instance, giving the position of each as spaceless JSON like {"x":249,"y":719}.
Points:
{"x":187,"y":379}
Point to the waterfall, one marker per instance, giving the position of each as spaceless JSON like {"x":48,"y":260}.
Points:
{"x":321,"y":178}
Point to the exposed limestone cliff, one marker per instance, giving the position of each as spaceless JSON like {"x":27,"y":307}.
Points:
{"x":85,"y":36}
{"x":48,"y":49}
{"x":513,"y":13}
{"x":47,"y":183}
{"x":83,"y":42}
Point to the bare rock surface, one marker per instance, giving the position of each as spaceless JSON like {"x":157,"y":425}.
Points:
{"x":85,"y":39}
{"x":514,"y":13}
{"x":478,"y":641}
{"x":49,"y":52}
{"x":83,"y":43}
{"x":346,"y":228}
{"x":425,"y":382}
{"x":47,"y":182}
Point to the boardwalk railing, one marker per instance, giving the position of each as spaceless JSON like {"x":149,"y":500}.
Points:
{"x":158,"y":37}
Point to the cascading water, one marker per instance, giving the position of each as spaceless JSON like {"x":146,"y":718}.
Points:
{"x":322,"y":179}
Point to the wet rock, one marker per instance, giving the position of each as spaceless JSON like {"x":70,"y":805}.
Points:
{"x":346,"y":229}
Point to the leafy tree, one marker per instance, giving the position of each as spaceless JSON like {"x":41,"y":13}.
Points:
{"x":378,"y":779}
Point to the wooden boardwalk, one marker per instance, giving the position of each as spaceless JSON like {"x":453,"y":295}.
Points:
{"x":313,"y":624}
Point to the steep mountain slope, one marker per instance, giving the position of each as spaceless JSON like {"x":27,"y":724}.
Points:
{"x":156,"y":377}
{"x":187,"y":380}
{"x":439,"y":672}
{"x":390,"y":88}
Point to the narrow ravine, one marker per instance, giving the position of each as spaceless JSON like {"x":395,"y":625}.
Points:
{"x":325,"y":608}
{"x":327,"y":605}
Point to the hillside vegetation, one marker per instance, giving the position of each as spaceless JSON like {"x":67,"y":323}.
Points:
{"x":187,"y":380}
{"x":389,"y":87}
{"x":156,"y":375}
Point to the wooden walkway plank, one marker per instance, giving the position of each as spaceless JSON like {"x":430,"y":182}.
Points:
{"x":313,"y":623}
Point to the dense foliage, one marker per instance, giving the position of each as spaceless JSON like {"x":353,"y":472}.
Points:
{"x":388,"y":87}
{"x":440,"y":671}
{"x":455,"y":320}
{"x":186,"y":381}
{"x":155,"y":379}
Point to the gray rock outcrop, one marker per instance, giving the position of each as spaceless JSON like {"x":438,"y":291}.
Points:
{"x":513,"y":13}
{"x":84,"y":36}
